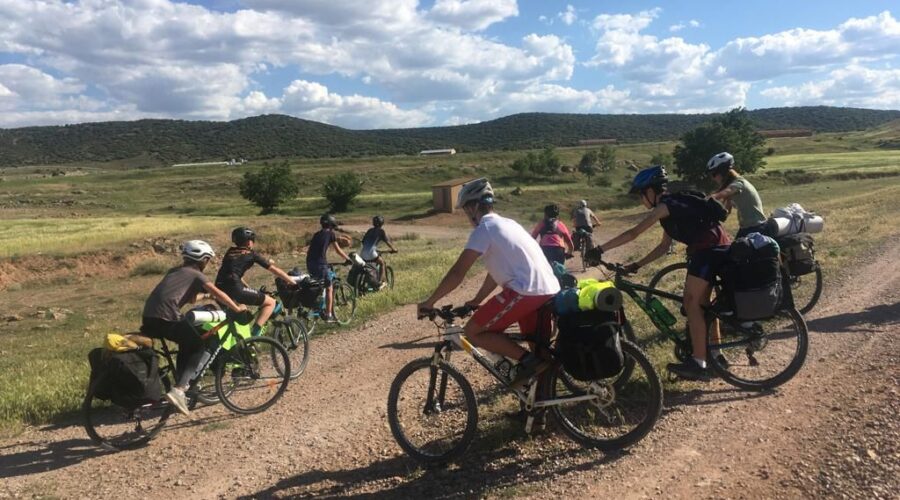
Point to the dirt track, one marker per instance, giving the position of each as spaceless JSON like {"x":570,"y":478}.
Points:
{"x":833,"y":430}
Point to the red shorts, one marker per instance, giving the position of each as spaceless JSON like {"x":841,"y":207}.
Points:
{"x":508,"y":307}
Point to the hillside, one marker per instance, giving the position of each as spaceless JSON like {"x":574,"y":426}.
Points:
{"x":160,"y":142}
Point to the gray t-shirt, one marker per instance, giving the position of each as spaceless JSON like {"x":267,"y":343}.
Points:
{"x":582,"y":216}
{"x":177,"y":288}
{"x":746,"y":200}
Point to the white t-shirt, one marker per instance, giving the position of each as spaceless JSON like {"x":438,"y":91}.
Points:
{"x":512,"y":257}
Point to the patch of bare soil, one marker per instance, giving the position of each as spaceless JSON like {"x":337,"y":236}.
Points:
{"x":832,"y":431}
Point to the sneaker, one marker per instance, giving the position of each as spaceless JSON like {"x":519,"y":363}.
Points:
{"x":530,"y":366}
{"x":177,"y":398}
{"x":689,"y":370}
{"x":382,"y":286}
{"x":330,"y":319}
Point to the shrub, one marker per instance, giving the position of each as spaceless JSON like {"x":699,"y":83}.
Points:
{"x":341,"y":189}
{"x":152,"y":267}
{"x":270,"y":187}
{"x":603,"y":181}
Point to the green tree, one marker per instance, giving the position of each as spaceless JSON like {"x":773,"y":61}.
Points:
{"x":664,"y":159}
{"x":269,"y":187}
{"x":588,"y":164}
{"x":341,"y":189}
{"x":606,"y":158}
{"x":733,"y":132}
{"x":548,"y":163}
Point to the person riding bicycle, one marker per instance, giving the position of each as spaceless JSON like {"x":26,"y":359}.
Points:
{"x":514,"y":261}
{"x":736,"y":191}
{"x":555,"y":238}
{"x":687,"y":218}
{"x":162,"y":314}
{"x":369,"y":246}
{"x":237,"y":261}
{"x":317,"y":260}
{"x":584,"y":218}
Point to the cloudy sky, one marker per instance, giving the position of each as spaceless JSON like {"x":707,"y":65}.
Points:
{"x":407,"y":63}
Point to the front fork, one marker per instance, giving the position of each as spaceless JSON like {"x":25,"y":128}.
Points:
{"x":437,"y":385}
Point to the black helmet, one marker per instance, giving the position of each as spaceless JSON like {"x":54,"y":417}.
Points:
{"x":551,"y":210}
{"x":241,"y":235}
{"x":328,"y":220}
{"x":378,"y":221}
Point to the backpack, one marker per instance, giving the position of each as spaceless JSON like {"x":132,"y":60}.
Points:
{"x":798,"y":253}
{"x":588,"y":345}
{"x":128,"y":379}
{"x":751,"y":277}
{"x":549,"y":226}
{"x":690,"y":212}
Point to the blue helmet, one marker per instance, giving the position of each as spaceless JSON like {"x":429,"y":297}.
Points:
{"x":654,"y":176}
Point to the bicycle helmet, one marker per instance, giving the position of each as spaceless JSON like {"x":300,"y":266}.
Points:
{"x":479,"y":190}
{"x":551,"y":210}
{"x":378,"y":221}
{"x":242,"y":235}
{"x":197,"y":250}
{"x":720,"y":162}
{"x":328,"y":220}
{"x":654,"y":176}
{"x":582,"y":203}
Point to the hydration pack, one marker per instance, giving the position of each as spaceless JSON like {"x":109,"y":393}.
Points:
{"x":690,"y":213}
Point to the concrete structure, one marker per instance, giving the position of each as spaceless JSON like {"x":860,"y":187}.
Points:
{"x":444,"y":194}
{"x":432,"y":152}
{"x":596,"y":142}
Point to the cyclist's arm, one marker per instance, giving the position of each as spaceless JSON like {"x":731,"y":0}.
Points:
{"x":486,"y":288}
{"x":388,"y":243}
{"x":595,"y":220}
{"x":567,"y":239}
{"x":660,"y":212}
{"x":657,"y":252}
{"x":454,"y":277}
{"x":340,"y":251}
{"x":277,"y":271}
{"x":223,"y":298}
{"x":725,"y":194}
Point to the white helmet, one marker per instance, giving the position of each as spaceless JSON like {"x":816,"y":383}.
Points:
{"x":720,"y":161}
{"x":583,"y":203}
{"x":197,"y":250}
{"x":478,"y":190}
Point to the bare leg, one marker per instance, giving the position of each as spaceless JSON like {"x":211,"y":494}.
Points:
{"x":265,"y":311}
{"x":696,"y":293}
{"x":492,"y":341}
{"x":329,"y":301}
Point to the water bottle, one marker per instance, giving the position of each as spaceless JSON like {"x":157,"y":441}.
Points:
{"x":662,"y":313}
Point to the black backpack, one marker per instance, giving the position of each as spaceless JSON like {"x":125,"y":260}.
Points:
{"x":690,"y":212}
{"x":588,"y":345}
{"x":128,"y":379}
{"x":799,"y":253}
{"x":549,"y":226}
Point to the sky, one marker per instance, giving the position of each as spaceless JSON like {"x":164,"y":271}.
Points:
{"x":365,"y":64}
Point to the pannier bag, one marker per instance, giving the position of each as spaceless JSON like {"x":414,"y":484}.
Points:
{"x":128,"y":379}
{"x":752,"y":277}
{"x":306,"y":294}
{"x":588,"y":345}
{"x":370,"y":275}
{"x":799,"y":253}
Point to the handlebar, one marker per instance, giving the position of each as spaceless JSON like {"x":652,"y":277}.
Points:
{"x":447,"y":313}
{"x":614,"y":267}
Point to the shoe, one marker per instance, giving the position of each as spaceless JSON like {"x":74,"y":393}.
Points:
{"x":178,"y":400}
{"x":330,"y":319}
{"x":382,"y":286}
{"x":689,"y":370}
{"x":530,"y":366}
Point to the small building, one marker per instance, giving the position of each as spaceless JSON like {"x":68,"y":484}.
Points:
{"x":435,"y":152}
{"x":791,"y":132}
{"x":596,"y":142}
{"x":444,"y":194}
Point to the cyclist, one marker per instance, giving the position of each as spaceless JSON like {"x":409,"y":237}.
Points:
{"x":514,"y":262}
{"x":736,"y":191}
{"x":369,"y":249}
{"x":237,"y":261}
{"x":317,"y":260}
{"x":585,"y":219}
{"x":162,"y":314}
{"x":555,"y":238}
{"x":684,"y":219}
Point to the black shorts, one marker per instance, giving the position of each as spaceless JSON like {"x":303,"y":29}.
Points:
{"x":555,"y":254}
{"x":244,"y":295}
{"x":706,"y":263}
{"x":762,"y":229}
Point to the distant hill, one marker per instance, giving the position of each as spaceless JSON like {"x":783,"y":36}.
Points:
{"x":163,"y":142}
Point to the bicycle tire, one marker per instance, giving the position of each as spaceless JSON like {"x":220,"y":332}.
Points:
{"x":816,"y":294}
{"x":359,"y":284}
{"x":736,"y":373}
{"x":395,"y":414}
{"x":661,"y":274}
{"x":113,"y":427}
{"x":389,"y":277}
{"x":241,"y":370}
{"x":291,"y":334}
{"x":647,"y":387}
{"x":344,"y":307}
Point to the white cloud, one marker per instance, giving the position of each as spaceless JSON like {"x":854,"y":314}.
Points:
{"x":693,"y":23}
{"x":568,"y":16}
{"x":31,"y":84}
{"x":472,"y":14}
{"x":854,"y":85}
{"x":315,"y":102}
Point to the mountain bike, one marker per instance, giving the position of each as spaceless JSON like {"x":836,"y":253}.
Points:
{"x":251,"y":374}
{"x":344,"y":303}
{"x":290,"y":332}
{"x":755,"y":355}
{"x":361,"y":282}
{"x":583,"y":242}
{"x":433,"y":413}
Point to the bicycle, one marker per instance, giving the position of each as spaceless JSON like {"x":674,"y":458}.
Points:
{"x":361,"y":284}
{"x":245,"y":384}
{"x":436,"y":419}
{"x":778,"y":345}
{"x":308,"y":310}
{"x":583,"y":243}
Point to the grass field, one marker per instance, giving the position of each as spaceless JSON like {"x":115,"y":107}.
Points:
{"x":53,"y":222}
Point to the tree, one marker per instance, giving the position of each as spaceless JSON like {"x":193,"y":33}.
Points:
{"x":606,"y":158}
{"x":588,"y":164}
{"x":270,"y":187}
{"x":341,"y":189}
{"x":732,"y":132}
{"x":664,"y":159}
{"x":548,"y":163}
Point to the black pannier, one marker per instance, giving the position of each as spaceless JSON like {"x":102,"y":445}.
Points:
{"x":306,"y":294}
{"x":128,"y":379}
{"x":752,"y":277}
{"x":370,"y":276}
{"x":588,"y":345}
{"x":799,"y":253}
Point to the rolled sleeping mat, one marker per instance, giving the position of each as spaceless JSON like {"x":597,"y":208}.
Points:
{"x":608,"y":299}
{"x":812,"y":224}
{"x":199,"y":318}
{"x":601,"y":295}
{"x":784,"y":225}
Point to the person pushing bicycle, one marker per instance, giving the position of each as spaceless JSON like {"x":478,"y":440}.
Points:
{"x":690,"y":219}
{"x":317,"y":260}
{"x":369,"y":246}
{"x":162,"y":314}
{"x":515,"y":262}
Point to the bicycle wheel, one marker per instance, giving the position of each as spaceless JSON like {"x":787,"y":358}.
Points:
{"x":359,"y":284}
{"x":118,"y":428}
{"x":432,"y":411}
{"x":205,"y":388}
{"x":623,"y":410}
{"x":807,"y":290}
{"x":252,"y":375}
{"x":389,"y":277}
{"x":344,"y":302}
{"x":760,"y":354}
{"x":668,"y":279}
{"x":291,"y":334}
